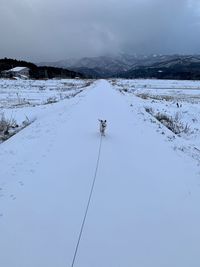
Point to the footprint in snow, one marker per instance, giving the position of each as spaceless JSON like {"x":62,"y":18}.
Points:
{"x":21,"y":183}
{"x":13,"y":197}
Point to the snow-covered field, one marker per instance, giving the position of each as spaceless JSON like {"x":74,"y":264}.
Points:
{"x":22,"y":100}
{"x":144,"y":210}
{"x":20,"y":93}
{"x":171,"y":102}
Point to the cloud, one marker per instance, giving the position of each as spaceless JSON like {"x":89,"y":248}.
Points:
{"x":51,"y":30}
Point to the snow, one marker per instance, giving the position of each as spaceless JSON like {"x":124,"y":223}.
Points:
{"x":144,"y":211}
{"x":16,"y":69}
{"x":21,"y":99}
{"x":162,"y":96}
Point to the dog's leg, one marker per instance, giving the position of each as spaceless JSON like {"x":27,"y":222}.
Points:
{"x":100,"y":128}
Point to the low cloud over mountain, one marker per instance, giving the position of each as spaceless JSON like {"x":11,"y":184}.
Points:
{"x":52,"y":30}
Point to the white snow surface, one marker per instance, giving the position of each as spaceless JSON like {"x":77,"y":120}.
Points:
{"x":145,"y":206}
{"x":162,"y":96}
{"x":16,"y":69}
{"x":23,"y":99}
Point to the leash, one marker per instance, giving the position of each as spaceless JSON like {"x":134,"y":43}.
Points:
{"x":88,"y":204}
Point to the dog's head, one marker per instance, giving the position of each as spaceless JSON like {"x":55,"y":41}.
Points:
{"x":103,"y":121}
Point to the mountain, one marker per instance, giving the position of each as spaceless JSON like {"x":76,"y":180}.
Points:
{"x":108,"y":66}
{"x":103,"y":66}
{"x":179,"y":67}
{"x":39,"y":72}
{"x":135,"y":66}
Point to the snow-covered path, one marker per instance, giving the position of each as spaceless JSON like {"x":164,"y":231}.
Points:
{"x":144,"y":211}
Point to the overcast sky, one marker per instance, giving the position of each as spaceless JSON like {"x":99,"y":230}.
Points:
{"x":48,"y":30}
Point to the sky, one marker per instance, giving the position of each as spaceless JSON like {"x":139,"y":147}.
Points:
{"x":50,"y":30}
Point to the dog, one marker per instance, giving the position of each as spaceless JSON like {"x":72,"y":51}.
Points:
{"x":103,"y":125}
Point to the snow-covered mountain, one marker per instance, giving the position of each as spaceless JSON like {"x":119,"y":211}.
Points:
{"x":122,"y":64}
{"x":105,"y":66}
{"x":179,"y":67}
{"x":100,"y":66}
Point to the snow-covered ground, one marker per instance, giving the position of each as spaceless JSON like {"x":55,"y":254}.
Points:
{"x":20,"y":93}
{"x":144,"y":209}
{"x":178,"y":100}
{"x":22,"y":100}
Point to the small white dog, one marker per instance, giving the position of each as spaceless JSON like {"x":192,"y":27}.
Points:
{"x":103,"y":125}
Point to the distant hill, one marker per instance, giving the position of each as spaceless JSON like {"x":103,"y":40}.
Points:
{"x":101,"y":67}
{"x":181,"y":68}
{"x":135,"y":66}
{"x":87,"y":72}
{"x":39,"y":72}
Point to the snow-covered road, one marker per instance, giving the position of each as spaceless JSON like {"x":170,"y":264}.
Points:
{"x":145,"y":207}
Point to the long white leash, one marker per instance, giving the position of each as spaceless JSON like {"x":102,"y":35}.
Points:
{"x":88,"y":204}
